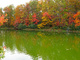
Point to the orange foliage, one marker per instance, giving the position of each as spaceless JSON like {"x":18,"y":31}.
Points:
{"x":78,"y":13}
{"x":3,"y":20}
{"x":17,"y":20}
{"x":77,"y":19}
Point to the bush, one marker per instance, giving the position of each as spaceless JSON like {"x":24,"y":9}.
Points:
{"x":33,"y":26}
{"x":55,"y":27}
{"x":78,"y":28}
{"x":20,"y":26}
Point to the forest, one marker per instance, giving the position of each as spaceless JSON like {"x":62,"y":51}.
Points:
{"x":42,"y":14}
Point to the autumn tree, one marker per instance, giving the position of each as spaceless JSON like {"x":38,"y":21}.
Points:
{"x":9,"y":10}
{"x":35,"y":7}
{"x":19,"y":22}
{"x":20,"y":13}
{"x":34,"y":19}
{"x":46,"y":20}
{"x":1,"y":11}
{"x":3,"y":19}
{"x":27,"y":14}
{"x":74,"y":5}
{"x":77,"y":19}
{"x":43,"y":13}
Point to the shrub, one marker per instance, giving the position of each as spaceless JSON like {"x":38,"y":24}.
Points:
{"x":20,"y":26}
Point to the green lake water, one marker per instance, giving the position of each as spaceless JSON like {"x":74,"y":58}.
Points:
{"x":35,"y":45}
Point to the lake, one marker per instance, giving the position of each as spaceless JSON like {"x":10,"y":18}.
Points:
{"x":36,"y":45}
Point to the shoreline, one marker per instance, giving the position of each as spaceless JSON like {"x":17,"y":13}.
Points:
{"x":44,"y":30}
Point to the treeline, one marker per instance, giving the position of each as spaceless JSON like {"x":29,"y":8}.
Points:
{"x":56,"y":14}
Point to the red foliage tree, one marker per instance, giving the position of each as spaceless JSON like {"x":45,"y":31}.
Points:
{"x":17,"y":20}
{"x":57,"y":23}
{"x":27,"y":20}
{"x":46,"y":14}
{"x":70,"y":21}
{"x":34,"y":19}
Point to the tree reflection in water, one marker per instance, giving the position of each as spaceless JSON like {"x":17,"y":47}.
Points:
{"x":2,"y":52}
{"x":44,"y":45}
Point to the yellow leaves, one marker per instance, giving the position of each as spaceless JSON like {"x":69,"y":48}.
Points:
{"x":46,"y":20}
{"x":12,"y":21}
{"x":77,"y":20}
{"x":40,"y":25}
{"x":50,"y":21}
{"x":43,"y":17}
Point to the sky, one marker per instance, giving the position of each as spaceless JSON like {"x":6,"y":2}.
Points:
{"x":4,"y":3}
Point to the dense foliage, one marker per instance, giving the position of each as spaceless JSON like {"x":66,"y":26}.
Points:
{"x":60,"y":14}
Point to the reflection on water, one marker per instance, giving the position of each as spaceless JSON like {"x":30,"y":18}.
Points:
{"x":2,"y":52}
{"x":16,"y":56}
{"x":28,"y":45}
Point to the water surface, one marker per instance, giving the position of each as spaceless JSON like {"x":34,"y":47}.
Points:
{"x":34,"y":45}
